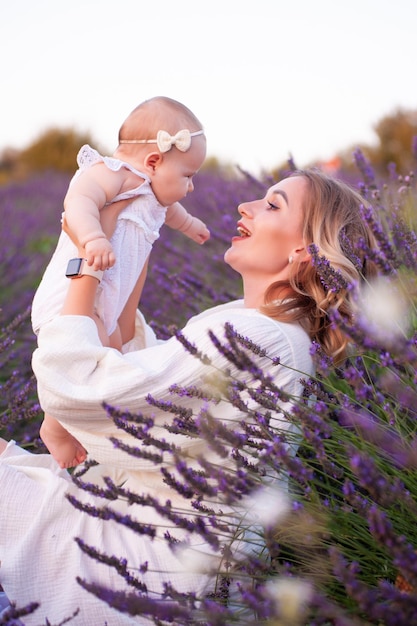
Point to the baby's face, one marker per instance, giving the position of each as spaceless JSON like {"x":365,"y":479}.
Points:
{"x":173,"y":177}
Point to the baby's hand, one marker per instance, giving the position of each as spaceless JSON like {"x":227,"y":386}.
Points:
{"x":99,"y":253}
{"x":197,"y":231}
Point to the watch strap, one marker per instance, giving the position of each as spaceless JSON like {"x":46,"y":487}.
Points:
{"x":87,"y":270}
{"x":79,"y":267}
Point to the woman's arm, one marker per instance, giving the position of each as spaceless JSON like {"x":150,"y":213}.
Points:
{"x":76,"y":374}
{"x":80,"y":296}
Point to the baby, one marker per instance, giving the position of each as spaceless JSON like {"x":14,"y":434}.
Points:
{"x":115,"y":207}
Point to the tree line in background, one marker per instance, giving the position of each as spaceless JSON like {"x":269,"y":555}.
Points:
{"x":56,"y":149}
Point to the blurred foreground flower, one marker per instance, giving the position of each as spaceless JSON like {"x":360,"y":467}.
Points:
{"x":384,"y":310}
{"x":198,"y":561}
{"x":291,"y":597}
{"x":265,"y":506}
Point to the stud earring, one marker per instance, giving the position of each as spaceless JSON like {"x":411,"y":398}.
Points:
{"x":290,"y":259}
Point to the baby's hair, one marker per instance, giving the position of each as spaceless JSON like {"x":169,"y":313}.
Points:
{"x":334,"y":224}
{"x":158,"y":113}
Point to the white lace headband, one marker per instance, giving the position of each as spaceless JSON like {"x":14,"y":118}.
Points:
{"x":165,"y":141}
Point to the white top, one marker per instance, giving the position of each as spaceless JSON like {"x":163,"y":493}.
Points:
{"x":75,"y":375}
{"x":137,"y":228}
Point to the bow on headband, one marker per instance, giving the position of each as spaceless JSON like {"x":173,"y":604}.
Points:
{"x":181,"y":140}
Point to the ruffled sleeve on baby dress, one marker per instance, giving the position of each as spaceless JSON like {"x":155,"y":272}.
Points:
{"x":145,"y":210}
{"x":88,"y":156}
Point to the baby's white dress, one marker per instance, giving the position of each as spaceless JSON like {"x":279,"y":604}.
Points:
{"x":39,"y":557}
{"x":136,"y":230}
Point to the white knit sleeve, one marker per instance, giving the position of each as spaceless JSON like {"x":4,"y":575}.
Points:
{"x":76,"y":374}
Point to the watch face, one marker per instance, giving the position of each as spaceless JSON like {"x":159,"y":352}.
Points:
{"x":73,"y":268}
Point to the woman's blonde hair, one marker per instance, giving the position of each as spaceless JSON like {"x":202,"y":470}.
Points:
{"x":338,"y":237}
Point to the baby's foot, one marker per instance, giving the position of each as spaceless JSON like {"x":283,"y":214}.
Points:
{"x":66,"y":449}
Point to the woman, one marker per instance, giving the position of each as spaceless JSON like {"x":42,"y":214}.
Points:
{"x":285,"y":306}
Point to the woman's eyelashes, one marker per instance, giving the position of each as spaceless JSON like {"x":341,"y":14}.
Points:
{"x":271,"y":206}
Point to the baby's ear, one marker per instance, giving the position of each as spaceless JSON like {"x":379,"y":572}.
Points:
{"x":153,"y":160}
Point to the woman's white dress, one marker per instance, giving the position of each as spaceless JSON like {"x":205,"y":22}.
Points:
{"x":39,"y":557}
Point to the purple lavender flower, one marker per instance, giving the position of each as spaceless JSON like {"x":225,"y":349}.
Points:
{"x":138,"y":604}
{"x":364,"y":167}
{"x":331,"y":279}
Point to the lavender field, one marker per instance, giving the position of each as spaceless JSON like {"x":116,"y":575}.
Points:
{"x":344,"y":551}
{"x":184,"y":278}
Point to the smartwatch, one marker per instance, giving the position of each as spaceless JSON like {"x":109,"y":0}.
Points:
{"x":80,"y":267}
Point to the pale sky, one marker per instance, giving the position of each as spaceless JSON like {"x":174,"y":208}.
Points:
{"x":266,"y":77}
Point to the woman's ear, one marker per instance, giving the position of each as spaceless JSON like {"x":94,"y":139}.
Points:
{"x":301,"y":254}
{"x":152,"y":161}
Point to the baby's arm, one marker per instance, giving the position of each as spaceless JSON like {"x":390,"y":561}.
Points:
{"x":88,"y":193}
{"x":179,"y":219}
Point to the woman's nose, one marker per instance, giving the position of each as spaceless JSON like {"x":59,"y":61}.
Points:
{"x":245,"y":208}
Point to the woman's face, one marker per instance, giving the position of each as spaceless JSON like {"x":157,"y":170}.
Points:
{"x":270,"y":232}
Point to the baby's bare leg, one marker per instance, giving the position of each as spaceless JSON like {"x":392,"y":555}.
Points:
{"x":102,"y":333}
{"x":128,"y":315}
{"x":65,"y":448}
{"x":115,"y":339}
{"x":112,"y":341}
{"x":3,"y":445}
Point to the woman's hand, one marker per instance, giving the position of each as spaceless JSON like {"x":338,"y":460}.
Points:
{"x":80,"y":298}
